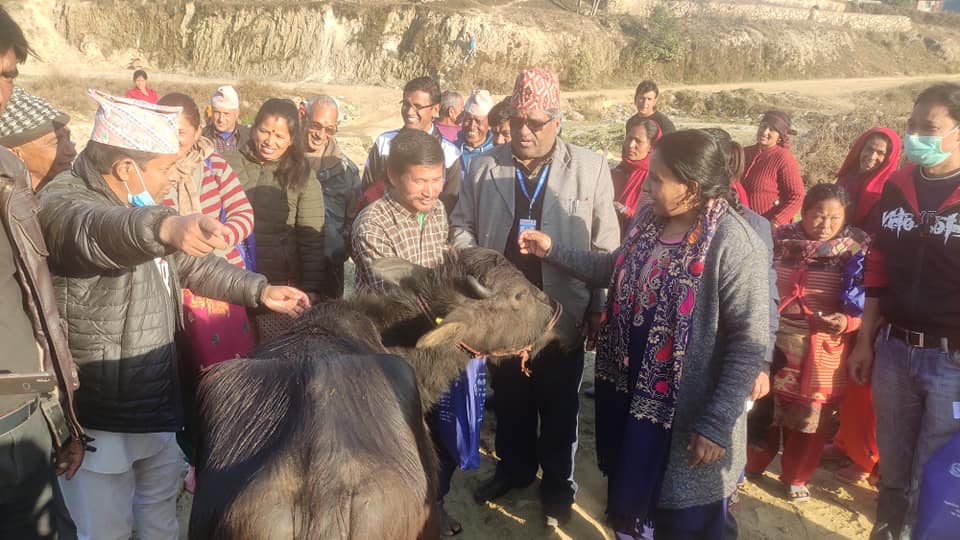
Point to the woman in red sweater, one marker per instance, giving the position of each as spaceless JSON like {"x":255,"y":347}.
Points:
{"x":772,"y":178}
{"x":140,"y":89}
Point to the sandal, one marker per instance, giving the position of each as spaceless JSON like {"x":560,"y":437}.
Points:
{"x":798,"y":494}
{"x":448,"y":526}
{"x":852,"y":474}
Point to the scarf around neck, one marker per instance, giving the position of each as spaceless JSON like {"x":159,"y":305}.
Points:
{"x":636,"y":172}
{"x":656,"y":392}
{"x":184,"y":170}
{"x":791,"y":247}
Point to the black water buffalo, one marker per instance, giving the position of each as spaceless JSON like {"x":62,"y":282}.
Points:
{"x":321,"y":435}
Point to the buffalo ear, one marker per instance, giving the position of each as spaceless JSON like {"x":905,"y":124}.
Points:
{"x":444,"y":334}
{"x":393,"y":270}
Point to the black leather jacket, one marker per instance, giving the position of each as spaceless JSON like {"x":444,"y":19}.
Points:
{"x":18,"y":209}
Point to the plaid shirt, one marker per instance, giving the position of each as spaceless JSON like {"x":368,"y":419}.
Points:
{"x":387,"y":229}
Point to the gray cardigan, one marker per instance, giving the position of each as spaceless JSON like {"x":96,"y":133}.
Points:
{"x":727,"y":348}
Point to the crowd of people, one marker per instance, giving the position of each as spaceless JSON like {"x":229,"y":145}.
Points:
{"x":735,"y":314}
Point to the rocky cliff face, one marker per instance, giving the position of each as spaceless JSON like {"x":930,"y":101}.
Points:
{"x":389,"y":43}
{"x":326,"y":41}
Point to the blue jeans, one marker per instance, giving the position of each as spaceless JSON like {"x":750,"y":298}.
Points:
{"x":914,"y":394}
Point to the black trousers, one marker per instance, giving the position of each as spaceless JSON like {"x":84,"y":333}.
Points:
{"x":31,"y":504}
{"x":446,"y":461}
{"x":548,"y":400}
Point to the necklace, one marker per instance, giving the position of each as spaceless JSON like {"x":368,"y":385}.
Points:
{"x":924,"y":176}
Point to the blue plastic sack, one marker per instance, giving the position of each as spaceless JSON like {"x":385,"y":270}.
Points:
{"x":938,"y":513}
{"x":461,"y":413}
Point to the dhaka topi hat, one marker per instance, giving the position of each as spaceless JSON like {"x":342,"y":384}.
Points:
{"x":479,"y":103}
{"x":536,"y":89}
{"x":135,"y":125}
{"x":225,"y":98}
{"x":28,"y":117}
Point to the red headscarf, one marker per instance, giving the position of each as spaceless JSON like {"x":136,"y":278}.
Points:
{"x":630,"y":174}
{"x":870,"y":185}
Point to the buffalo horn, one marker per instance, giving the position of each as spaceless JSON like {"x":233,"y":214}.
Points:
{"x":478,"y":289}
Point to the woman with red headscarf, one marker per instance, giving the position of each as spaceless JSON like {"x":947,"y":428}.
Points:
{"x":628,"y":177}
{"x":871,"y":161}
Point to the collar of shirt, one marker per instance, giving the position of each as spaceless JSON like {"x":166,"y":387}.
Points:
{"x":532,"y":173}
{"x":403,"y":213}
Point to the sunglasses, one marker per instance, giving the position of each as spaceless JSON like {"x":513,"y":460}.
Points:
{"x":517,"y":123}
{"x":316,"y":128}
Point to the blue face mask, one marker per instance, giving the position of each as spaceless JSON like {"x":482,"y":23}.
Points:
{"x":143,"y":198}
{"x":927,"y":150}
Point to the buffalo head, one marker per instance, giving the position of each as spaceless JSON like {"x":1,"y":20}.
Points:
{"x":478,"y":300}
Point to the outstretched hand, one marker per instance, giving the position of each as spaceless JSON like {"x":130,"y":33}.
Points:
{"x":533,"y":242}
{"x":194,"y":234}
{"x":286,"y":300}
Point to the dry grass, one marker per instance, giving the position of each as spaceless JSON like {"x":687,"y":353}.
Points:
{"x":69,"y":93}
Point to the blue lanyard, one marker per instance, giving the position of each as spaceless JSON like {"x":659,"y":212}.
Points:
{"x":540,"y":182}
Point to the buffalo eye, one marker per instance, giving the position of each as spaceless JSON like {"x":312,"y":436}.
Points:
{"x":519,"y":296}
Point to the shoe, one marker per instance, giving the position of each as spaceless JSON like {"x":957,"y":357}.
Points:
{"x":492,"y":489}
{"x":557,"y":515}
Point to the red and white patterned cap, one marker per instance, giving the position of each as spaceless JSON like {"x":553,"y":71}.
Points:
{"x":134,"y":124}
{"x":536,"y":89}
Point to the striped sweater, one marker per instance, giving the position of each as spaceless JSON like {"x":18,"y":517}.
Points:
{"x":773,"y":184}
{"x":220,"y":189}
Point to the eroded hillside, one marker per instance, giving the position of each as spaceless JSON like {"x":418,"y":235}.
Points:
{"x":390,"y":42}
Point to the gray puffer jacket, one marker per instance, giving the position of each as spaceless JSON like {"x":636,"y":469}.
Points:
{"x":121,"y":311}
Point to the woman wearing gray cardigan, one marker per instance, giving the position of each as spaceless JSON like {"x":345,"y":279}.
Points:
{"x":685,"y":334}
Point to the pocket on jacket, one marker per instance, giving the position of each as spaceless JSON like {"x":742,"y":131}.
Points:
{"x":24,"y":212}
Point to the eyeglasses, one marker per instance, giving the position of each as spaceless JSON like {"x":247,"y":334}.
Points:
{"x":517,"y":123}
{"x":408,"y":105}
{"x":316,"y":128}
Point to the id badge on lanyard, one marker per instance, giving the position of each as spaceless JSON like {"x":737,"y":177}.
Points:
{"x":529,"y":223}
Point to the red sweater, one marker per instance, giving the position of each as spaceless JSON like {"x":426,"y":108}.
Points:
{"x":150,"y":96}
{"x":773,"y":183}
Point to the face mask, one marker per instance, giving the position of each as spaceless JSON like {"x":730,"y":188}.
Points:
{"x":926,"y":150}
{"x":143,"y":198}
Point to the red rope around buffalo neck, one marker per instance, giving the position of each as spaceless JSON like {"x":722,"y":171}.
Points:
{"x":522,"y":352}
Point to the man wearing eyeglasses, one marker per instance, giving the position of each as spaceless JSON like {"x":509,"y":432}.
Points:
{"x":38,"y":134}
{"x":418,"y":109}
{"x":340,"y":179}
{"x":540,"y":182}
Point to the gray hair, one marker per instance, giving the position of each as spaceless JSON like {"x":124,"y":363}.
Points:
{"x":449,"y":99}
{"x":322,"y":100}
